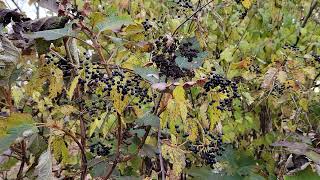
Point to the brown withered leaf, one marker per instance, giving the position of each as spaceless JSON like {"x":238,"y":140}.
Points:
{"x":164,"y":101}
{"x":6,"y":15}
{"x":141,"y":46}
{"x":86,"y":9}
{"x":41,"y":24}
{"x":269,"y":77}
{"x":124,"y":4}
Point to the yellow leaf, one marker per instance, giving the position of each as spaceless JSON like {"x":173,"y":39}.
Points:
{"x":17,"y":94}
{"x":174,"y":115}
{"x":65,"y":110}
{"x":310,"y":72}
{"x":178,"y":94}
{"x":96,"y":18}
{"x":72,"y":87}
{"x":13,"y":120}
{"x":192,"y":129}
{"x":282,"y":76}
{"x":56,"y":83}
{"x":179,"y":97}
{"x":60,"y":150}
{"x":214,"y":115}
{"x":183,"y":111}
{"x":304,"y":104}
{"x":203,"y":112}
{"x":175,"y":156}
{"x":139,"y":112}
{"x":38,"y":79}
{"x":118,"y":103}
{"x":246,"y":3}
{"x":97,"y":123}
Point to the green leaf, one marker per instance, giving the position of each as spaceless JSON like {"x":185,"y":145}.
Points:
{"x":16,"y":73}
{"x":206,"y":173}
{"x":13,"y":127}
{"x":227,"y":54}
{"x":109,"y":124}
{"x":100,"y":168}
{"x":305,"y":174}
{"x":183,"y":63}
{"x":149,"y":74}
{"x":114,"y":23}
{"x":52,"y":34}
{"x":149,"y":120}
{"x":8,"y":164}
{"x":60,"y":150}
{"x":13,"y":134}
{"x":96,"y":124}
{"x":38,"y":145}
{"x":197,"y":62}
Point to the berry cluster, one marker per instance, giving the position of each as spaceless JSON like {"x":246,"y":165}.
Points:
{"x":184,"y":3}
{"x":291,"y":47}
{"x":255,"y":68}
{"x":220,"y":84}
{"x":61,"y":63}
{"x":278,"y":88}
{"x":243,"y":14}
{"x":316,"y":57}
{"x":99,"y":86}
{"x":208,"y":152}
{"x":146,"y":25}
{"x":187,"y":51}
{"x":100,"y":149}
{"x":180,"y":7}
{"x":164,"y":57}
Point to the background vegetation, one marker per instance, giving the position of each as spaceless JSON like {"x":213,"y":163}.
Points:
{"x":165,"y":89}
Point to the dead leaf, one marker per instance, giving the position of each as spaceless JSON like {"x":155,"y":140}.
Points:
{"x":164,"y":101}
{"x":269,"y":78}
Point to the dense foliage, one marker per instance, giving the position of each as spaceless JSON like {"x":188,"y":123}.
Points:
{"x":167,"y":89}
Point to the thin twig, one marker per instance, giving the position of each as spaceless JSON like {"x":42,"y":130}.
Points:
{"x":188,"y":18}
{"x":119,"y":141}
{"x":242,"y":36}
{"x":313,"y":5}
{"x":16,"y":5}
{"x":84,"y":166}
{"x":163,"y":175}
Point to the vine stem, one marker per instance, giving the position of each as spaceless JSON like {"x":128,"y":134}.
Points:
{"x":84,"y":166}
{"x":23,"y":160}
{"x":188,"y":18}
{"x":81,"y":147}
{"x":119,"y":141}
{"x":163,"y":173}
{"x":127,"y":158}
{"x":313,"y":5}
{"x":94,"y":38}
